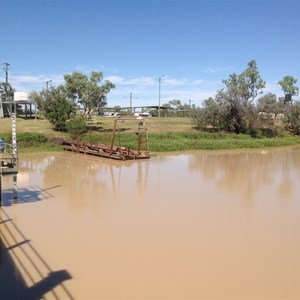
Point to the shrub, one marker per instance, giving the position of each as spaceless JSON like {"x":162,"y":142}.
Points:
{"x":269,"y":132}
{"x":76,"y":126}
{"x":32,"y":137}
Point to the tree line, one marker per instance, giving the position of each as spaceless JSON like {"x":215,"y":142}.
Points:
{"x":60,"y":104}
{"x":235,"y":109}
{"x":238,"y":109}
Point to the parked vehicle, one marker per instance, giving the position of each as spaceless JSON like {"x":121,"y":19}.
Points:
{"x":142,"y":114}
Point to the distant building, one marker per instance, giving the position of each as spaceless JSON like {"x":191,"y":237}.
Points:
{"x":20,"y":96}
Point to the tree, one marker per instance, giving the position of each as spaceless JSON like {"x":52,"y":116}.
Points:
{"x":58,"y":104}
{"x":165,"y":109}
{"x":175,"y":104}
{"x":290,"y":110}
{"x":87,"y":92}
{"x":76,"y":126}
{"x":294,"y":117}
{"x":199,"y":118}
{"x":288,"y":86}
{"x":268,"y":104}
{"x":216,"y":112}
{"x":270,"y":118}
{"x":241,"y":90}
{"x":58,"y":108}
{"x":38,"y":99}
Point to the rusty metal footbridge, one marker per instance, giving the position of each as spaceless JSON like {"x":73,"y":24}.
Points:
{"x":111,"y":150}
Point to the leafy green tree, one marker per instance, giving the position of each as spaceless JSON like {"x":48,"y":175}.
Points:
{"x":58,"y":108}
{"x":291,"y":110}
{"x":187,"y":107}
{"x":76,"y":126}
{"x":215,"y":112}
{"x":268,"y":104}
{"x":38,"y":99}
{"x":241,"y":90}
{"x":117,"y":108}
{"x":270,"y":120}
{"x":175,"y":104}
{"x":86,"y":92}
{"x":288,"y":86}
{"x":198,"y":118}
{"x":293,"y":116}
{"x":165,"y":110}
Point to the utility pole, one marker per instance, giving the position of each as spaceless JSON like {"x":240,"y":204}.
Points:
{"x":47,"y":87}
{"x":1,"y":108}
{"x":6,"y":72}
{"x":159,"y":83}
{"x":5,"y":92}
{"x":130,"y":99}
{"x":130,"y":96}
{"x":5,"y":68}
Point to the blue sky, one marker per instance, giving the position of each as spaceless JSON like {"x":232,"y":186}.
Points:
{"x":195,"y":44}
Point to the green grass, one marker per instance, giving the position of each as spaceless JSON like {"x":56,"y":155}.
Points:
{"x":180,"y":141}
{"x":165,"y":134}
{"x":184,"y":141}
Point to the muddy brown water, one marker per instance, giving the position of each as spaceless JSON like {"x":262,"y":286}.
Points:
{"x":194,"y":225}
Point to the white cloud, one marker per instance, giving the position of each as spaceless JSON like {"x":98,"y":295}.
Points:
{"x":87,"y":69}
{"x":212,"y":70}
{"x":215,"y":70}
{"x":174,"y":81}
{"x":144,"y":90}
{"x":134,"y":81}
{"x":115,"y":79}
{"x":197,"y":82}
{"x":34,"y":82}
{"x":141,"y":80}
{"x":146,"y":81}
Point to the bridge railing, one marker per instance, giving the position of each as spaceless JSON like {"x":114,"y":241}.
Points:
{"x":8,"y":161}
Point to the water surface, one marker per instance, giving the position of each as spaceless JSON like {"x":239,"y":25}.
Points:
{"x":185,"y":226}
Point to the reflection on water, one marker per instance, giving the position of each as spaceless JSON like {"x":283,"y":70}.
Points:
{"x":248,"y":174}
{"x":188,"y":226}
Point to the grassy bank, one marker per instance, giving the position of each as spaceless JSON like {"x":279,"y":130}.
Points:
{"x":180,"y":141}
{"x":165,"y":134}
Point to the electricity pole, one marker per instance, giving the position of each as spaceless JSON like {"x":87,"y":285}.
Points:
{"x":5,"y":68}
{"x":159,"y":83}
{"x":47,"y":87}
{"x":5,"y":92}
{"x":130,"y":96}
{"x":130,"y":100}
{"x":1,"y":109}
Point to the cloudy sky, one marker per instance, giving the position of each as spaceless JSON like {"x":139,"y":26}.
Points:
{"x":192,"y":45}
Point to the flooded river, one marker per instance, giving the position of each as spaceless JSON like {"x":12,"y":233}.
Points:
{"x":196,"y":225}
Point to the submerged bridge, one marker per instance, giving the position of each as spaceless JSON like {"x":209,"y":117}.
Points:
{"x":111,"y":150}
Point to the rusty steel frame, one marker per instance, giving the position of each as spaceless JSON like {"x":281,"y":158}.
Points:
{"x":112,"y":151}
